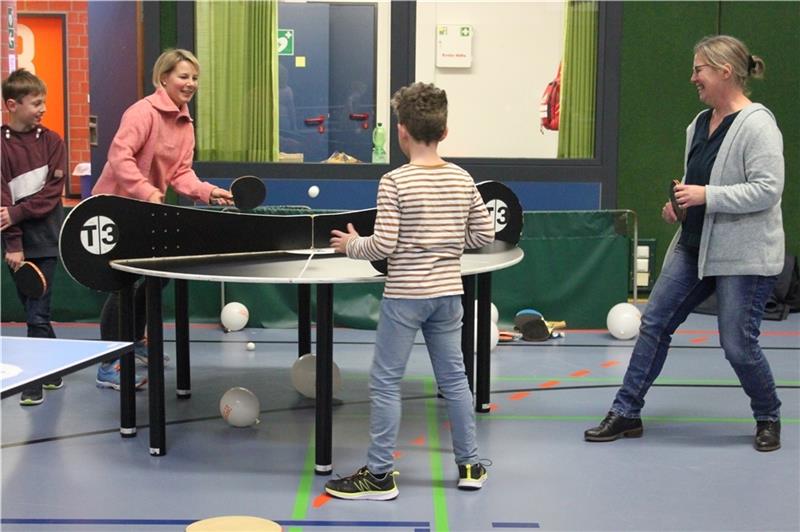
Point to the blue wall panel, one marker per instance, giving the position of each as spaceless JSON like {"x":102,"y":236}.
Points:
{"x":360,"y":194}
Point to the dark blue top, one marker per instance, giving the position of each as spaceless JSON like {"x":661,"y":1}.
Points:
{"x":702,"y":155}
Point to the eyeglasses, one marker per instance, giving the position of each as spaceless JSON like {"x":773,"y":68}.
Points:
{"x":697,"y":68}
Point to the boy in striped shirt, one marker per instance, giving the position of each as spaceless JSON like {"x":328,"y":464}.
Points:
{"x":429,"y":210}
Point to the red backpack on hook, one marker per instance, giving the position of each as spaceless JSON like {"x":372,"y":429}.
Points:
{"x":550,"y":106}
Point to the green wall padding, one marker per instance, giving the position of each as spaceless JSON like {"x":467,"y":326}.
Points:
{"x":657,"y":101}
{"x":576,"y":267}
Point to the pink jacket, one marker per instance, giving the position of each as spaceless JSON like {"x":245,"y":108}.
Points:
{"x":153,"y":149}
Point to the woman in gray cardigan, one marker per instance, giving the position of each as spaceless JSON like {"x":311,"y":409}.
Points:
{"x":731,"y":241}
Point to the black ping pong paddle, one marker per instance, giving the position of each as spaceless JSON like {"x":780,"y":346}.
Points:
{"x":248,"y":192}
{"x":680,"y":212}
{"x":30,"y":280}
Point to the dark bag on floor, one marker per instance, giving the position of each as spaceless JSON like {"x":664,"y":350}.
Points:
{"x":785,"y":297}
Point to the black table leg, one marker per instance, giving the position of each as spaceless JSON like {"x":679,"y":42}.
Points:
{"x":482,"y":384}
{"x":324,"y":411}
{"x":468,"y":329}
{"x":303,"y":319}
{"x":127,"y":396}
{"x":155,"y":367}
{"x":182,"y":371}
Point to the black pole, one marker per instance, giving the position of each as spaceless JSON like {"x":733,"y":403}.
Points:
{"x":303,"y":319}
{"x":182,"y":366}
{"x":127,"y":395}
{"x":155,"y":367}
{"x":468,"y":329}
{"x":483,"y":349}
{"x":324,"y":427}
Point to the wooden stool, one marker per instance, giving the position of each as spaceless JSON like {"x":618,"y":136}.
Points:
{"x":234,"y":523}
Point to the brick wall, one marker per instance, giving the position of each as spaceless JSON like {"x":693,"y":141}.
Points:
{"x":4,"y":50}
{"x":77,"y":88}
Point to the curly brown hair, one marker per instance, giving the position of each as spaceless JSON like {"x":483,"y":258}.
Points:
{"x":422,"y":109}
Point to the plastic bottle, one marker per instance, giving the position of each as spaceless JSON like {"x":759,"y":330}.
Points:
{"x":378,"y":144}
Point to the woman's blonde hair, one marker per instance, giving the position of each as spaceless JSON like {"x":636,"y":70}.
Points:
{"x":167,"y":61}
{"x":720,"y":50}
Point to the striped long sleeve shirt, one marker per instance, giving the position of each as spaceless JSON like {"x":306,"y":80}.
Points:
{"x":426,"y":216}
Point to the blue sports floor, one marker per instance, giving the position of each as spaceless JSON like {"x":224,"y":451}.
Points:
{"x":65,"y":467}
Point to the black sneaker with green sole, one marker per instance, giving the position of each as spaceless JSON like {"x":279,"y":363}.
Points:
{"x":363,"y":485}
{"x":53,"y":384}
{"x":471,"y":476}
{"x":31,"y":396}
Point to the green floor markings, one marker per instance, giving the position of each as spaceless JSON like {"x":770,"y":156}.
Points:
{"x":440,"y":521}
{"x":603,"y":380}
{"x":618,"y":380}
{"x":302,"y":498}
{"x":656,"y":419}
{"x":494,"y":416}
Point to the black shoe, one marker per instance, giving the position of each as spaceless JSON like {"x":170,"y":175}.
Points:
{"x":53,"y":384}
{"x":32,"y":396}
{"x":471,"y":476}
{"x":768,"y":436}
{"x":614,"y":427}
{"x":364,"y":485}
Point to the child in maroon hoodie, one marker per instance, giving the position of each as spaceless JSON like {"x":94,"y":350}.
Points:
{"x":33,"y":160}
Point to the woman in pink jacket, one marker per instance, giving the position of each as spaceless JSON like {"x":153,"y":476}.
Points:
{"x":153,"y":149}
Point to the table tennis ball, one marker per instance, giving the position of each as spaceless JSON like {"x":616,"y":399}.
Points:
{"x":304,"y":376}
{"x":234,"y":316}
{"x":239,"y":407}
{"x":250,"y":346}
{"x":623,"y":321}
{"x":313,"y":191}
{"x":494,"y":311}
{"x":494,"y":335}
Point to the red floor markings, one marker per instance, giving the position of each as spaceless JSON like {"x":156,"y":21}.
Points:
{"x":549,"y":384}
{"x":517,"y":396}
{"x":580,"y":373}
{"x":610,"y":363}
{"x":321,"y":500}
{"x":418,"y":441}
{"x":397,"y":455}
{"x":699,"y":340}
{"x":493,"y":407}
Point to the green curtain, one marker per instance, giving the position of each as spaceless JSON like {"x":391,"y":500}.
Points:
{"x":578,"y":81}
{"x":237,"y":104}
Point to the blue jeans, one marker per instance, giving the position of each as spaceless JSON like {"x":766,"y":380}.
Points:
{"x":440,"y":321}
{"x":37,"y":309}
{"x":740,"y":306}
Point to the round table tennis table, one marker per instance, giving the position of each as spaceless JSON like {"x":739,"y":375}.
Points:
{"x":304,"y":268}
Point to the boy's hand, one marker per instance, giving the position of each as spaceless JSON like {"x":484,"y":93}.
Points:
{"x":5,"y":218}
{"x":340,"y":239}
{"x":14,"y":259}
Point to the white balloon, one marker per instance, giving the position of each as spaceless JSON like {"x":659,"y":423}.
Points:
{"x":304,"y":376}
{"x":623,"y":321}
{"x":234,"y":316}
{"x":495,"y":312}
{"x":494,"y":335}
{"x":239,"y":407}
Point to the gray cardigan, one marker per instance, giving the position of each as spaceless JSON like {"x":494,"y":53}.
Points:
{"x":743,"y":227}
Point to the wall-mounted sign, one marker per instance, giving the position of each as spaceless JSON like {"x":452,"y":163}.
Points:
{"x":454,"y":45}
{"x":285,"y":42}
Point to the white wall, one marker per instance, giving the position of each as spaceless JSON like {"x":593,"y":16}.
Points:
{"x":494,"y":104}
